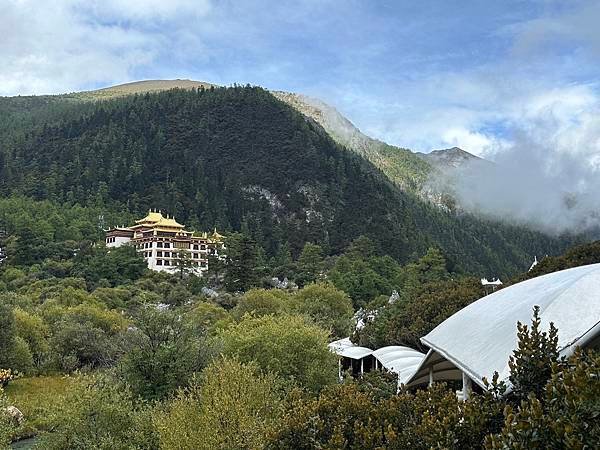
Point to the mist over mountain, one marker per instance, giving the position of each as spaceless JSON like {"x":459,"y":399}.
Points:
{"x":524,"y":185}
{"x":548,"y":179}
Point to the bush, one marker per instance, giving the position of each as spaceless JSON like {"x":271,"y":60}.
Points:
{"x":164,"y":354}
{"x":531,"y":363}
{"x":565,"y":416}
{"x":101,"y":414}
{"x":207,"y":318}
{"x":76,"y":345}
{"x":327,"y":306}
{"x":285,"y":345}
{"x":34,"y":331}
{"x":234,"y":407}
{"x":85,"y":335}
{"x":21,"y":359}
{"x":346,"y":416}
{"x":260,"y":302}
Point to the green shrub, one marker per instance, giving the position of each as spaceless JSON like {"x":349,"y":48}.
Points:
{"x":566,"y":415}
{"x":234,"y":407}
{"x":327,"y":306}
{"x":531,"y":363}
{"x":260,"y":302}
{"x":101,"y":414}
{"x":21,"y":359}
{"x":163,"y":354}
{"x":289,"y":346}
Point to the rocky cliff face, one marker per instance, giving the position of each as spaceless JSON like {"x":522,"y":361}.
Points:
{"x":449,"y":158}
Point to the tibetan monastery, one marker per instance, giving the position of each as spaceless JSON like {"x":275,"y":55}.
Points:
{"x":161,"y":240}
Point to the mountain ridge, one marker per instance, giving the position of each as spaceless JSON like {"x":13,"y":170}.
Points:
{"x":241,"y":159}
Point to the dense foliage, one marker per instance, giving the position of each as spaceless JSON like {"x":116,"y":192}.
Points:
{"x":152,"y":362}
{"x":234,"y":407}
{"x":315,"y":235}
{"x":239,"y":159}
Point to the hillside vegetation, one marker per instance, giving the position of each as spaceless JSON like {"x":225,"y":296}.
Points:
{"x":239,"y":159}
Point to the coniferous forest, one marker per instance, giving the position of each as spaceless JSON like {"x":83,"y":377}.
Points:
{"x":299,"y":225}
{"x":239,"y":160}
{"x":97,"y":351}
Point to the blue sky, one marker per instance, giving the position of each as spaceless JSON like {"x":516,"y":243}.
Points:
{"x":417,"y":74}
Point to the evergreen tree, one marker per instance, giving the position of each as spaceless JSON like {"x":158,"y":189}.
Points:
{"x":531,"y":363}
{"x":310,"y":264}
{"x":282,"y":263}
{"x":241,"y":264}
{"x":185,"y":265}
{"x":216,"y":269}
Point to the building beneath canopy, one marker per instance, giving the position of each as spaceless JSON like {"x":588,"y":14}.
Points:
{"x":403,"y":361}
{"x":479,"y":339}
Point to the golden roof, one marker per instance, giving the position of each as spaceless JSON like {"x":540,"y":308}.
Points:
{"x":215,"y":236}
{"x":152,"y":217}
{"x":156,"y":219}
{"x":168,"y":222}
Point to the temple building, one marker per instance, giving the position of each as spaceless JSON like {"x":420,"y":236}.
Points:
{"x":166,"y":245}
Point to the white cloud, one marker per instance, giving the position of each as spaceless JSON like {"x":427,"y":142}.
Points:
{"x":145,"y":10}
{"x":51,"y":47}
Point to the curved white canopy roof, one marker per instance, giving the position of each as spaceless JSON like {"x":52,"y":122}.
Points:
{"x":354,"y":352}
{"x":400,"y":360}
{"x":480,"y":338}
{"x":341,"y":344}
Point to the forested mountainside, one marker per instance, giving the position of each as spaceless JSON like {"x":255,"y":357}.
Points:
{"x":400,"y":165}
{"x":239,"y":159}
{"x":431,"y":176}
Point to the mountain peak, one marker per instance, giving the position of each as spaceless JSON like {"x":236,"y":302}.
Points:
{"x":449,"y":157}
{"x":143,"y":86}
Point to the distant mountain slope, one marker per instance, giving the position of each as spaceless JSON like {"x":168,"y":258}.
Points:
{"x":449,"y":158}
{"x":239,"y":158}
{"x":401,"y":165}
{"x":423,"y":174}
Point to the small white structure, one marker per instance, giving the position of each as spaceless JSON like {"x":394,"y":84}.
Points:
{"x":479,"y":339}
{"x":490,"y":286}
{"x":494,"y":282}
{"x":533,"y":264}
{"x":403,"y":361}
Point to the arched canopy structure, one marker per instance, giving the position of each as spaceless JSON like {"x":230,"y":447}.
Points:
{"x":400,"y":360}
{"x":479,"y":339}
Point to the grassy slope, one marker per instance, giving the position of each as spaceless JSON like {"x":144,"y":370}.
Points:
{"x":38,"y":398}
{"x":140,"y":87}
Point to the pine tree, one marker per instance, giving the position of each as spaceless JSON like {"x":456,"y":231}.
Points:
{"x":531,"y":363}
{"x":185,"y":265}
{"x":241,"y":263}
{"x":310,"y":264}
